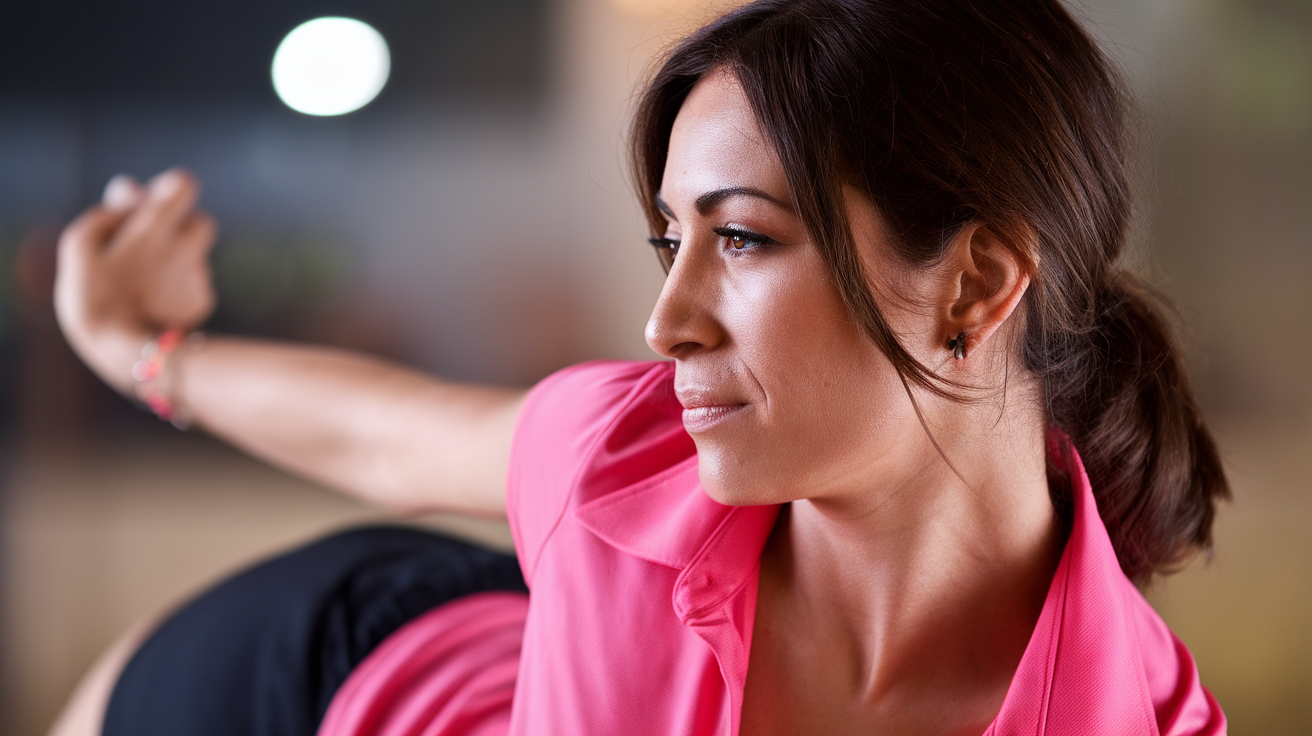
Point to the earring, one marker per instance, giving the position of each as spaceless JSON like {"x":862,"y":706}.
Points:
{"x":958,"y":345}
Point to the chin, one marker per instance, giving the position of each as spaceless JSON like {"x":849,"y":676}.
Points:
{"x":731,"y":497}
{"x":726,"y":483}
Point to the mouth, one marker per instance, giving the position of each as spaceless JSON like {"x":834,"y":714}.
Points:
{"x":701,"y":413}
{"x":702,"y":418}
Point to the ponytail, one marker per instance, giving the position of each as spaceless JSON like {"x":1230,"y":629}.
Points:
{"x":1120,"y":392}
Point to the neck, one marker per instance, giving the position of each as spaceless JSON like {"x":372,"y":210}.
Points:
{"x":932,"y":582}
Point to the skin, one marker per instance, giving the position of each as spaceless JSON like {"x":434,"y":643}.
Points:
{"x":916,"y":586}
{"x":391,"y":436}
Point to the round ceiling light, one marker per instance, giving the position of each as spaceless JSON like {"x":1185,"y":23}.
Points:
{"x":330,"y":66}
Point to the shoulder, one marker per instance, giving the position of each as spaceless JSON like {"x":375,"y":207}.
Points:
{"x":1109,"y":661}
{"x":615,"y":420}
{"x":581,"y":399}
{"x":1182,"y":705}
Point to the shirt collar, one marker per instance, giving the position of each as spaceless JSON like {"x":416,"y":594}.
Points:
{"x":668,"y":519}
{"x":1082,"y":670}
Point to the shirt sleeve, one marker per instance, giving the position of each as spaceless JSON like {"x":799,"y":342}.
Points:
{"x":563,"y":419}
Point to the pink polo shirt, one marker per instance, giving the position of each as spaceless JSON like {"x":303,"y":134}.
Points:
{"x":643,"y":593}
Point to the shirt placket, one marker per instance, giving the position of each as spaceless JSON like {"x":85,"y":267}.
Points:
{"x":715,"y":596}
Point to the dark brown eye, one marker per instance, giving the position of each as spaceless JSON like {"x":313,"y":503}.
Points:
{"x":741,"y":240}
{"x":666,"y":250}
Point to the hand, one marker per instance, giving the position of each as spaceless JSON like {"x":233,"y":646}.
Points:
{"x":133,"y":265}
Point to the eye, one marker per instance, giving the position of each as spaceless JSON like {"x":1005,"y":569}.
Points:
{"x":666,"y":250}
{"x":740,"y":239}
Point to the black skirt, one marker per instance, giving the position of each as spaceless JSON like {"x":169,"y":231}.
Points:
{"x":263,"y":652}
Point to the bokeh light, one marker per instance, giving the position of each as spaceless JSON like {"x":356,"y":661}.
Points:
{"x":330,"y":66}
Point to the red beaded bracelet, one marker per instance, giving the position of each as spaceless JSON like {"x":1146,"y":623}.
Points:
{"x":150,"y":370}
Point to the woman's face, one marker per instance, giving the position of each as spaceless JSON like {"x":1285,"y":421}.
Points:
{"x":784,"y":395}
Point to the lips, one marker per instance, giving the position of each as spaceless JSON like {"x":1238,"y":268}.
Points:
{"x":703,"y":410}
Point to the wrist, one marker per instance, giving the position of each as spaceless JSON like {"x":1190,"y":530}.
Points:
{"x":157,"y":376}
{"x":110,"y":351}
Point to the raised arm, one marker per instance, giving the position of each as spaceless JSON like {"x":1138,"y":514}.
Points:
{"x":137,"y":264}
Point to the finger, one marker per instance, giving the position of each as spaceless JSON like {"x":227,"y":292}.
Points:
{"x":198,"y":232}
{"x":122,"y":193}
{"x":169,"y":198}
{"x":88,"y":234}
{"x":174,"y":194}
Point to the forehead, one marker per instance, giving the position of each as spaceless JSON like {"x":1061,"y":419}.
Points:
{"x":717,"y":143}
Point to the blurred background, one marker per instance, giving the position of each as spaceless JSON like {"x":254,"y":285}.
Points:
{"x":475,"y":220}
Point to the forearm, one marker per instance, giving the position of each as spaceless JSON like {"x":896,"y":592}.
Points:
{"x":137,"y":264}
{"x":375,"y":430}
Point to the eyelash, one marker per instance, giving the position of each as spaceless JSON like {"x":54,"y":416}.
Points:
{"x":749,"y":239}
{"x":668,"y":248}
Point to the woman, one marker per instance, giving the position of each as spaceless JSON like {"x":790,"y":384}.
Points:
{"x":918,"y":439}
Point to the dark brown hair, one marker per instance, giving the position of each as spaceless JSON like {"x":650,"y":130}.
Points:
{"x":1005,"y":113}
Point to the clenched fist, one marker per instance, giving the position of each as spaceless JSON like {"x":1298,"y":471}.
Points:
{"x":133,"y":265}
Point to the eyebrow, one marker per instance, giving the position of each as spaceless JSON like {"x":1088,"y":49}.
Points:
{"x":708,"y":201}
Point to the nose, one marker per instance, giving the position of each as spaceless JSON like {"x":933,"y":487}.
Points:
{"x":684,"y":319}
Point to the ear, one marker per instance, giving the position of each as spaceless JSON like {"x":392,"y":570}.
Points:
{"x":986,"y":279}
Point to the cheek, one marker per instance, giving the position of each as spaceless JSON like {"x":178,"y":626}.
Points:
{"x":826,"y":395}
